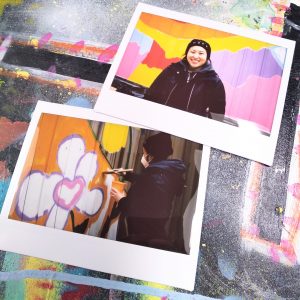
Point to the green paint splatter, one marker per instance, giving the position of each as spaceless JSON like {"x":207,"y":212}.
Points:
{"x":1,"y":82}
{"x":4,"y":3}
{"x":13,"y":289}
{"x":254,"y":14}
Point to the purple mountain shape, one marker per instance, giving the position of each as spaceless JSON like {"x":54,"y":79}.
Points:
{"x":236,"y":67}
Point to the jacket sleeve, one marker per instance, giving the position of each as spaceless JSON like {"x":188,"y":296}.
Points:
{"x":157,"y":90}
{"x":131,"y":176}
{"x":118,"y":207}
{"x":218,"y":100}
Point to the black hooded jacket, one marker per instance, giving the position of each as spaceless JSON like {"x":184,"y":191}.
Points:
{"x":146,"y":209}
{"x":200,"y":92}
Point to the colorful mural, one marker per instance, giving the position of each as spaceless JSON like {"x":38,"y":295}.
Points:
{"x":250,"y":70}
{"x":63,"y":185}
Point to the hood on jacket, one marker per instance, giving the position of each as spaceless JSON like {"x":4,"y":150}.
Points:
{"x":206,"y":69}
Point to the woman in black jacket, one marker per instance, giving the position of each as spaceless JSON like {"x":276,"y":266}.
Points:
{"x":145,"y":211}
{"x":191,"y":84}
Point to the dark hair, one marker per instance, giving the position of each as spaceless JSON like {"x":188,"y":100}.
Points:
{"x":201,"y":43}
{"x":159,"y":145}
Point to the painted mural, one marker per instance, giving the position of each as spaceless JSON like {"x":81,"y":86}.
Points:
{"x":67,"y":166}
{"x":226,"y":268}
{"x":250,"y":70}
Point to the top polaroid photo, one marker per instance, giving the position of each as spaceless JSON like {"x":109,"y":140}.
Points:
{"x":209,"y":82}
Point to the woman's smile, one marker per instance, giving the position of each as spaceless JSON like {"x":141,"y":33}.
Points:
{"x":196,"y":57}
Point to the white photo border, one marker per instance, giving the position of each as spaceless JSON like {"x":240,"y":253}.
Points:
{"x":239,"y":141}
{"x":95,"y":253}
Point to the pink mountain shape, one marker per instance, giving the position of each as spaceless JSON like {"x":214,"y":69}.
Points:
{"x":4,"y":173}
{"x":77,"y":47}
{"x":108,"y":53}
{"x":237,"y":67}
{"x":44,"y":39}
{"x":11,"y":131}
{"x":254,"y":101}
{"x":131,"y":59}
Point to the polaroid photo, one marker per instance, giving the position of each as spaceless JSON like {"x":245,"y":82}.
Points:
{"x":209,"y":82}
{"x":95,"y":192}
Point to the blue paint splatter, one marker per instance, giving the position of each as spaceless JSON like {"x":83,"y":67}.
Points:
{"x":79,"y":101}
{"x":4,"y":183}
{"x":98,"y":282}
{"x":227,"y":267}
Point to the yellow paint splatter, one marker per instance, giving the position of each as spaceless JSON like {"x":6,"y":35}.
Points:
{"x":42,"y":288}
{"x":114,"y":137}
{"x":3,"y":3}
{"x":68,"y":84}
{"x":22,"y":74}
{"x":34,"y":42}
{"x":36,"y":6}
{"x":226,"y":156}
{"x":144,"y":75}
{"x":156,"y":286}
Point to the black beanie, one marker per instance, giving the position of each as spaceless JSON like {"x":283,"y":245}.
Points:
{"x":159,"y":145}
{"x":200,"y":43}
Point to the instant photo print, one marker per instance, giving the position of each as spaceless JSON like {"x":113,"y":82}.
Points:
{"x":60,"y":207}
{"x":231,"y":96}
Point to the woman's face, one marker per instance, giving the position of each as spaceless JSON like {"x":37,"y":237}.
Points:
{"x":196,"y":57}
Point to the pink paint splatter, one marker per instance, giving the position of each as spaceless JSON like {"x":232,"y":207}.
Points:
{"x":44,"y":40}
{"x":289,"y":221}
{"x":253,"y":230}
{"x":4,"y":173}
{"x":52,"y":69}
{"x":77,"y":46}
{"x":252,"y":195}
{"x":274,"y":254}
{"x":279,"y":6}
{"x":298,"y":120}
{"x":78,"y":82}
{"x":2,"y":49}
{"x":297,"y":149}
{"x":288,"y":251}
{"x":294,"y":189}
{"x":108,"y":53}
{"x":277,"y":20}
{"x":164,"y":298}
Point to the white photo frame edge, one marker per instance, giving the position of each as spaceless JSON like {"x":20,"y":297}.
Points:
{"x":115,"y":103}
{"x":104,"y":255}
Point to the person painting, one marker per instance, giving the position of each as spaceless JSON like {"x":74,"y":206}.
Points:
{"x":146,"y":209}
{"x":191,"y":84}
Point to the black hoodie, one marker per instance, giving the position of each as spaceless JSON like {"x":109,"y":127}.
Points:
{"x":147,"y":206}
{"x":200,"y":92}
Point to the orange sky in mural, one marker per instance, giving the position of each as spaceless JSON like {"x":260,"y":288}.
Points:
{"x":175,"y":28}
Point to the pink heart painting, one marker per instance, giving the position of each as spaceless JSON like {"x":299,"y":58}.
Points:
{"x":67,"y":192}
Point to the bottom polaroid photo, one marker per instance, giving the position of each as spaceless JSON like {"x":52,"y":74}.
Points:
{"x":96,"y":192}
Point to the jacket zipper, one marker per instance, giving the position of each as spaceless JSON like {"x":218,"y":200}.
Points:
{"x":187,"y":107}
{"x":171,"y":93}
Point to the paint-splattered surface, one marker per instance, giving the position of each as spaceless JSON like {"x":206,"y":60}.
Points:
{"x":242,"y":254}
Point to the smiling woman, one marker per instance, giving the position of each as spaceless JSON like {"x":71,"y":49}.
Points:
{"x":190,"y":84}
